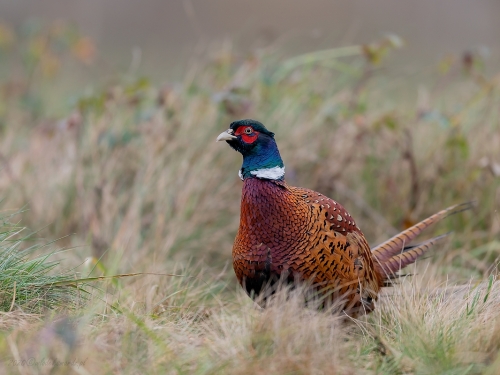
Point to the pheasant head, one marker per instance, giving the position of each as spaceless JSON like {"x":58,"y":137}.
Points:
{"x":261,"y":158}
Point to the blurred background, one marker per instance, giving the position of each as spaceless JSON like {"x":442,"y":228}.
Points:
{"x":109,"y":111}
{"x":169,"y":33}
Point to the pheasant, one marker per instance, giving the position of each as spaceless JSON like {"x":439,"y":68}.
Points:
{"x":298,"y":235}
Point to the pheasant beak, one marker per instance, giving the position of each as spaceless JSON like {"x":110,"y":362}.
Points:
{"x":226,"y":136}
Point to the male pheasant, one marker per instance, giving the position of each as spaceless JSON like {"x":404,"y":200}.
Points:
{"x":296,"y":234}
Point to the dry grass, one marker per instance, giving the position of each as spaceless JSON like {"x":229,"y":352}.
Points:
{"x":420,"y":328}
{"x":133,"y":172}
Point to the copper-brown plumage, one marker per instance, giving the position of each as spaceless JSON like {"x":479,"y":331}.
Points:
{"x":295,"y":234}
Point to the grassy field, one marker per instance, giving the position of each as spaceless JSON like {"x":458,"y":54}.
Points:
{"x":125,"y":176}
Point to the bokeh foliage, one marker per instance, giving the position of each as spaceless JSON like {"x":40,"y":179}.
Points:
{"x":131,"y":169}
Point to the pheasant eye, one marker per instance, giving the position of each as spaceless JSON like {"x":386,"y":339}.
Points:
{"x":247,"y":133}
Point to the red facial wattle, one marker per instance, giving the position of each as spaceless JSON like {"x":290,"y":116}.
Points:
{"x":247,"y":136}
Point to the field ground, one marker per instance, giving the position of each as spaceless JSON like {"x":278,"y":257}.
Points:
{"x":128,"y":171}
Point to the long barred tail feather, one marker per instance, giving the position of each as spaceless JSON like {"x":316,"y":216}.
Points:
{"x":396,"y":244}
{"x":410,"y":255}
{"x":396,"y":253}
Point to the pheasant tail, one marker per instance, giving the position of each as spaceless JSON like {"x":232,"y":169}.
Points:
{"x":394,"y":254}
